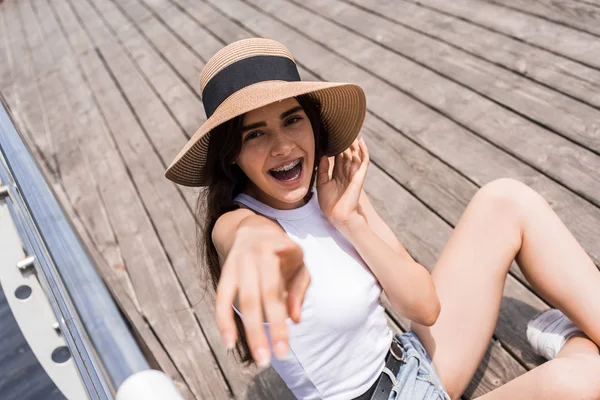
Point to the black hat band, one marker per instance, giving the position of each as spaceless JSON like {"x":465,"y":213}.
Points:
{"x":244,"y":73}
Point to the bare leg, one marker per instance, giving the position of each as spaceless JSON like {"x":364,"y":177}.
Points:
{"x":573,"y":374}
{"x":578,"y":345}
{"x":505,"y":220}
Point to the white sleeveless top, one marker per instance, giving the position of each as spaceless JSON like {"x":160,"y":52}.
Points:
{"x":338,"y":349}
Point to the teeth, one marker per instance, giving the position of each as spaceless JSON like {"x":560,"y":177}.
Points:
{"x":287,"y":167}
{"x":294,"y":177}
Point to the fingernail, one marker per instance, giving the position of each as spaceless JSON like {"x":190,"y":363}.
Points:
{"x":229,"y":342}
{"x":281,"y":350}
{"x":262,"y":357}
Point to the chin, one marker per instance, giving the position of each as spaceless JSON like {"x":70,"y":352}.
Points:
{"x":291,"y":196}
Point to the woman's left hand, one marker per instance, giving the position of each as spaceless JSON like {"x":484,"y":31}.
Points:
{"x":339,"y":195}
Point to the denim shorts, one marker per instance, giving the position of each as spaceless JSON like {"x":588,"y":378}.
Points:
{"x":417,"y":378}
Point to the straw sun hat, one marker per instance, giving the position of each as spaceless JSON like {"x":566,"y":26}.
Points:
{"x":249,"y":74}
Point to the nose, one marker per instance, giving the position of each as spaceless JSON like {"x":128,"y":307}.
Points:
{"x":282,"y":144}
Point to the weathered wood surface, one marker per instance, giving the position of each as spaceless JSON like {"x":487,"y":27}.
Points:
{"x":106,"y":93}
{"x":562,"y":74}
{"x":571,"y":13}
{"x":562,"y":40}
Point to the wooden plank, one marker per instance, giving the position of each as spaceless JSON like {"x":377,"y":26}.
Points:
{"x":136,"y":12}
{"x":146,"y":261}
{"x":47,"y":117}
{"x":185,"y":62}
{"x":38,"y":61}
{"x":221,"y":27}
{"x":476,"y":159}
{"x":41,"y":62}
{"x":155,"y":75}
{"x":576,"y":45}
{"x":16,"y":39}
{"x":182,"y":41}
{"x":572,"y":78}
{"x":5,"y":52}
{"x":572,"y":165}
{"x":575,"y":14}
{"x":196,"y":36}
{"x":16,"y":46}
{"x":178,"y":21}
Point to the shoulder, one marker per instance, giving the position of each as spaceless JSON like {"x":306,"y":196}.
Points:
{"x":228,"y":223}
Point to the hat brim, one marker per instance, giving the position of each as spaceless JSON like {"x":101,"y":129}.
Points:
{"x":343,"y":108}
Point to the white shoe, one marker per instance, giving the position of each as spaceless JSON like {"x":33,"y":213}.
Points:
{"x":548,"y":332}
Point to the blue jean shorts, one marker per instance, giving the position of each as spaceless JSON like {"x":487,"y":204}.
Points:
{"x":417,"y":378}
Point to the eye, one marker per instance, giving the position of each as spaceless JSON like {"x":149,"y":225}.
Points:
{"x":253,"y":135}
{"x":292,"y":120}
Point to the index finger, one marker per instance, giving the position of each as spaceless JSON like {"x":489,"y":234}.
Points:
{"x":226,"y":291}
{"x":291,"y":258}
{"x":274,"y":305}
{"x":364,"y":149}
{"x":252,"y":308}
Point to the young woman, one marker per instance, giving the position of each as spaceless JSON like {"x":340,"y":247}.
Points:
{"x":304,"y":266}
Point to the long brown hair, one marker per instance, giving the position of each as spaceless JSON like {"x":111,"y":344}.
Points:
{"x":225,"y":181}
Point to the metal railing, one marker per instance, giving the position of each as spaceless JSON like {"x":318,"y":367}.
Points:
{"x":102,"y":347}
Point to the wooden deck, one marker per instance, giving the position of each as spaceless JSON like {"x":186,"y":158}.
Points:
{"x":459,"y":93}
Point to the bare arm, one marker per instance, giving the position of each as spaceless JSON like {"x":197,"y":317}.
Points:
{"x":422,"y":306}
{"x":227,"y":226}
{"x":380,"y":227}
{"x":265,"y":269}
{"x":407,"y":284}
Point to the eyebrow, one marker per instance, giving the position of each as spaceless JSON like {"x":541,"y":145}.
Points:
{"x":263,"y":123}
{"x":290,"y":112}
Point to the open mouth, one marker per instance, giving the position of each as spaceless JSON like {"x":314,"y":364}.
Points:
{"x":289,"y":172}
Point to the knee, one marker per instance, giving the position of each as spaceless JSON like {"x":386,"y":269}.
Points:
{"x":507,"y":197}
{"x":576,"y":376}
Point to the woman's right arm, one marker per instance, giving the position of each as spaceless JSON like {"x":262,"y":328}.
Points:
{"x":264,"y":268}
